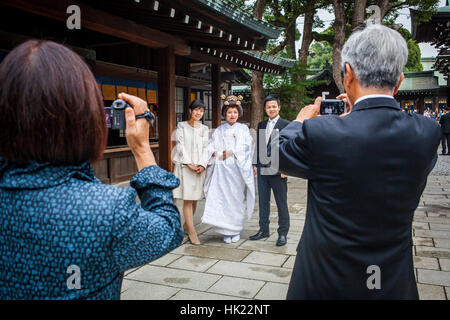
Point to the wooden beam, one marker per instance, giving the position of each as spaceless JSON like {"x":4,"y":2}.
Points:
{"x":166,"y":99}
{"x":216,"y":93}
{"x":103,"y":22}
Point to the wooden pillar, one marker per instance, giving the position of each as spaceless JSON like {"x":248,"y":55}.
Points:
{"x":166,"y":99}
{"x":436,"y":104}
{"x":187,"y":91}
{"x":421,"y":104}
{"x":216,"y":93}
{"x":187,"y":102}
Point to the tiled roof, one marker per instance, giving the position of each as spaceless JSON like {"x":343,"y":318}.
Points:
{"x":282,"y":62}
{"x":232,"y":11}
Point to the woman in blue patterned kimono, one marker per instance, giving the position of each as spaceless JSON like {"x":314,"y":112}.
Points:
{"x":63,"y":234}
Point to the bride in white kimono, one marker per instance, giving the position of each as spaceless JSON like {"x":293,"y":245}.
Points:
{"x":229,"y":185}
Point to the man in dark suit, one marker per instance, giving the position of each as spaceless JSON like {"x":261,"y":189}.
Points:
{"x":445,"y":128}
{"x":269,"y":178}
{"x":365,"y":179}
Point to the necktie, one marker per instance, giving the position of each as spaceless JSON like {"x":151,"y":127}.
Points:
{"x":269,"y":129}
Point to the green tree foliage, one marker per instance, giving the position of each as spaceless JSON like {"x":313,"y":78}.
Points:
{"x":414,"y":55}
{"x":288,"y":90}
{"x":322,"y":51}
{"x":321,"y":55}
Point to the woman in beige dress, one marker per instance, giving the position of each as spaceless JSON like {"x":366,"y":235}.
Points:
{"x":191,"y":158}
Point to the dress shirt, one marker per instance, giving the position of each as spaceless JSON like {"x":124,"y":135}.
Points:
{"x":373,"y":96}
{"x":270,"y":125}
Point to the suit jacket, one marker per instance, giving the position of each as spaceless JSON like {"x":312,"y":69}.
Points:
{"x":261,"y":137}
{"x":365,"y":178}
{"x":445,"y":123}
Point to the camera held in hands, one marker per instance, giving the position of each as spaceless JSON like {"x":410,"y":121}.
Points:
{"x":115,"y":115}
{"x":332,"y":106}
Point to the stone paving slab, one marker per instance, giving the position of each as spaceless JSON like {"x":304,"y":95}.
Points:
{"x":251,"y":271}
{"x":174,"y":277}
{"x":136,"y":290}
{"x":289,"y":262}
{"x":432,"y":234}
{"x":432,"y":252}
{"x":430,"y":292}
{"x":289,"y":248}
{"x":418,"y":241}
{"x":264,"y":258}
{"x":166,"y":259}
{"x":426,"y":263}
{"x":445,"y":264}
{"x":193,"y":263}
{"x":442,"y":243}
{"x":203,"y":251}
{"x":273,"y":291}
{"x":440,"y":227}
{"x":186,"y":294}
{"x":239,"y":287}
{"x":421,"y":225}
{"x":433,"y":277}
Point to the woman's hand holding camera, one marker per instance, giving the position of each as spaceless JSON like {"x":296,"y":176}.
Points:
{"x":137,"y":131}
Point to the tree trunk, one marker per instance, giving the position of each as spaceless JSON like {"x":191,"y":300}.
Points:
{"x":257,"y":113}
{"x":290,"y":40}
{"x":358,"y":13}
{"x":303,"y":53}
{"x":257,"y":109}
{"x":385,"y":6}
{"x":338,"y":43}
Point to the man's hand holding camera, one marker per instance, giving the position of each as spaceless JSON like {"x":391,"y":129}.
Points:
{"x":310,"y":111}
{"x":313,"y":110}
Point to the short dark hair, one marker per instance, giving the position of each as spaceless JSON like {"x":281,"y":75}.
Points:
{"x":197,"y":104}
{"x":52,"y":109}
{"x":271,"y":97}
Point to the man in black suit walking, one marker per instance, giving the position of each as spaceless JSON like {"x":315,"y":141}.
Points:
{"x":445,"y":128}
{"x":269,"y":178}
{"x":365,"y":179}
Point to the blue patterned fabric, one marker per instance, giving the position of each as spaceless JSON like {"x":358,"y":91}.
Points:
{"x":54,"y":217}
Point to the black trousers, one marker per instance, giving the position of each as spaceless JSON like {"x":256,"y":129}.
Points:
{"x":279,"y":187}
{"x":446,"y":141}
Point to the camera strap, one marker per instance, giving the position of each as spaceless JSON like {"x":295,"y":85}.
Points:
{"x":147,"y":115}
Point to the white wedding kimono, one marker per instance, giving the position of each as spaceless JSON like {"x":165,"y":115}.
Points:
{"x":229,"y":185}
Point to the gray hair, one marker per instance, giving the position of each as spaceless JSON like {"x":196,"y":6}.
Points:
{"x":377,"y":55}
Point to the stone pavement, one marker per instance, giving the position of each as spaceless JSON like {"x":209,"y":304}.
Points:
{"x":260,"y":270}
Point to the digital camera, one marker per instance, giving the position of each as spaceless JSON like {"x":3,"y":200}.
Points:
{"x":115,"y":115}
{"x":332,"y":106}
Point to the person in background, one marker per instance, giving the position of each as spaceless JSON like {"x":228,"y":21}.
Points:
{"x":445,"y":128}
{"x":191,"y":159}
{"x":365,"y":178}
{"x":64,"y":234}
{"x":270,"y":178}
{"x":229,"y":185}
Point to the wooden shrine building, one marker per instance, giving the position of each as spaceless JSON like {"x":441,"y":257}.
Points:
{"x":152,"y":49}
{"x":437,"y":32}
